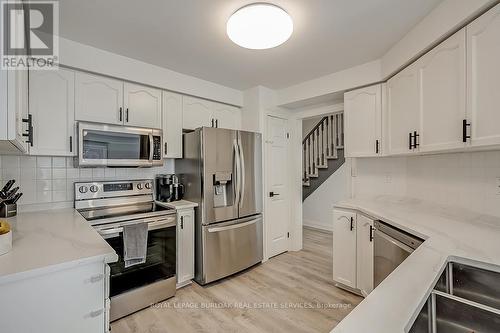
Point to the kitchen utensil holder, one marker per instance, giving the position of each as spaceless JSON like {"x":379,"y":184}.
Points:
{"x":8,"y":210}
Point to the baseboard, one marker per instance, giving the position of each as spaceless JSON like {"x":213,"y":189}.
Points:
{"x":315,"y":225}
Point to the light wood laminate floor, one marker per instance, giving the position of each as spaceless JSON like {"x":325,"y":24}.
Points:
{"x":292,"y":292}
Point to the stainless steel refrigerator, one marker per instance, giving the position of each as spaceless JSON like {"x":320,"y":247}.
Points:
{"x":222,"y":172}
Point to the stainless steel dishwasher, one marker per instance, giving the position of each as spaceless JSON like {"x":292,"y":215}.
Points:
{"x":391,"y":247}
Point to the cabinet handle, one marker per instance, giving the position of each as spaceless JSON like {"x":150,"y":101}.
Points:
{"x":182,"y":222}
{"x":95,"y":313}
{"x":352,"y":223}
{"x":96,"y":278}
{"x":216,"y":123}
{"x":464,"y":130}
{"x":166,"y":146}
{"x":416,"y":139}
{"x":126,"y":115}
{"x":371,"y":233}
{"x":70,"y":144}
{"x":29,"y":131}
{"x":120,"y":113}
{"x":377,"y":146}
{"x":212,"y":122}
{"x":410,"y":138}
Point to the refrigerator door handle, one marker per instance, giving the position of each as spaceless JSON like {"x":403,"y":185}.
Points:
{"x":242,"y":169}
{"x":237,"y":191}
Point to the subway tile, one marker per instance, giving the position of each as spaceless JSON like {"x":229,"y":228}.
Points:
{"x":59,"y":185}
{"x":70,"y":162}
{"x":10,"y":162}
{"x":59,"y":162}
{"x":85,"y":174}
{"x":97,"y":173}
{"x":109,"y":173}
{"x":121,"y":173}
{"x":72,"y":173}
{"x":44,"y":196}
{"x":44,"y":162}
{"x":58,"y":196}
{"x":44,"y":173}
{"x":28,"y":174}
{"x":8,"y":173}
{"x":44,"y":185}
{"x":28,"y":162}
{"x":59,"y":173}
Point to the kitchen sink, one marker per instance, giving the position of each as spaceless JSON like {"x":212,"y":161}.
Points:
{"x":465,"y":299}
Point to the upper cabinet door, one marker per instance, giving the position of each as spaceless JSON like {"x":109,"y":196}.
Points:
{"x":483,"y":78}
{"x":363,"y":121}
{"x":172,"y":125}
{"x":98,"y":99}
{"x":142,"y":106}
{"x":197,"y":113}
{"x":227,"y":116}
{"x":441,"y":75}
{"x":402,"y":110}
{"x":52,"y":105}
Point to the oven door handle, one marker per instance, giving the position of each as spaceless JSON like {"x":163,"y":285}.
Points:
{"x":163,"y":223}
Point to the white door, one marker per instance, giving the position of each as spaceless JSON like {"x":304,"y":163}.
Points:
{"x":483,"y":78}
{"x":441,"y":75}
{"x":52,"y":105}
{"x":142,"y":106}
{"x":278,"y":216}
{"x":363,"y":121}
{"x":402,"y":110}
{"x":364,"y":271}
{"x":197,"y":113}
{"x":227,"y":116}
{"x":185,"y":246}
{"x":172,"y":125}
{"x":98,"y":99}
{"x":344,"y":247}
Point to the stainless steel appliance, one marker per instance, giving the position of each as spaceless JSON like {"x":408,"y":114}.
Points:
{"x":118,"y":146}
{"x":223,"y":173}
{"x":108,"y":207}
{"x":169,"y":188}
{"x":391,"y":247}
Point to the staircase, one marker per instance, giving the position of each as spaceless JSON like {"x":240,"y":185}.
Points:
{"x":323,"y":152}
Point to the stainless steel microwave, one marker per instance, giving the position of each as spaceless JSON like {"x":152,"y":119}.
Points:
{"x":101,"y":145}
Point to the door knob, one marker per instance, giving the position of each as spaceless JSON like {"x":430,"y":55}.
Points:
{"x":272,"y":194}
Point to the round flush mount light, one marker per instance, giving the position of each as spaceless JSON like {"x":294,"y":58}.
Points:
{"x":259,"y":26}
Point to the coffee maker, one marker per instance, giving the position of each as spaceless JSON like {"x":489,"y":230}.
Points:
{"x":169,"y":188}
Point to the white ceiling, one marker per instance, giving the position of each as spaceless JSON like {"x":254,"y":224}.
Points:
{"x":189,"y":36}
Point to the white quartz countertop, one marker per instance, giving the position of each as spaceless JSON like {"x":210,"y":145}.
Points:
{"x":450,"y":233}
{"x":178,"y":205}
{"x":49,"y":240}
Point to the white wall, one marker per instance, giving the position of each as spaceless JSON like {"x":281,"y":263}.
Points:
{"x":81,"y":56}
{"x":317,"y":208}
{"x":47,"y":182}
{"x":309,"y":123}
{"x":467,"y":180}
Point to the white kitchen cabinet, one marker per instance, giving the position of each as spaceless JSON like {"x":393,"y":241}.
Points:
{"x":52,"y":106}
{"x":142,"y":106}
{"x":98,"y":99}
{"x":344,"y":247}
{"x":402,"y":110}
{"x":185,"y":246}
{"x":363,"y":121}
{"x":227,"y":116}
{"x":483,"y":79}
{"x":364,"y":262}
{"x":442,"y":92}
{"x":196,"y":113}
{"x":69,"y":300}
{"x":172,"y":125}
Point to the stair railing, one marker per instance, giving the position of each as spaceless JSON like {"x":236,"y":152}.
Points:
{"x":322,"y":143}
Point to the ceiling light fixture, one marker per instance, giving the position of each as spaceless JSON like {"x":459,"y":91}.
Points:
{"x":259,"y":26}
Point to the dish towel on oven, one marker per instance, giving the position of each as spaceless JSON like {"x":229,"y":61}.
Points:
{"x":135,"y":243}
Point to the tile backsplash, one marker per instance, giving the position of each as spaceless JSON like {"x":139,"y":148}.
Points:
{"x":46,"y":181}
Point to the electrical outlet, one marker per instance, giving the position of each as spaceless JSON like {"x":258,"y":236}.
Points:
{"x":498,"y":186}
{"x":388,"y":178}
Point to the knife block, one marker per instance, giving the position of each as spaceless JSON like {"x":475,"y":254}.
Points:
{"x":8,"y":210}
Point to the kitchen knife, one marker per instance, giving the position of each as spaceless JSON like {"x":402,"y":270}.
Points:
{"x":6,"y":188}
{"x":15,"y":198}
{"x":11,"y":193}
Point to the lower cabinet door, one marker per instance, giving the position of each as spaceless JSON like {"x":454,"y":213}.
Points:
{"x":364,"y":267}
{"x":185,"y":246}
{"x":344,"y":247}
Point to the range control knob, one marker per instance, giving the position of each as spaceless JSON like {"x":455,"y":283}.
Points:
{"x":83,"y":189}
{"x":94,"y":188}
{"x":148,"y":185}
{"x":139,"y":186}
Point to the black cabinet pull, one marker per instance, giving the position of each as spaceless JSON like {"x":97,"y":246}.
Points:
{"x":371,"y":233}
{"x":216,"y":123}
{"x":71,"y":144}
{"x":410,"y":138}
{"x":182,"y":222}
{"x":352,"y":223}
{"x":126,"y":115}
{"x":120,"y":114}
{"x":213,"y":122}
{"x":166,"y":146}
{"x":29,"y":131}
{"x":377,"y":146}
{"x":416,"y":139}
{"x":464,"y":130}
{"x":272,"y":194}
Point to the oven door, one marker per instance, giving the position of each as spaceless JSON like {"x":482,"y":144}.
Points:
{"x":160,"y":260}
{"x":110,"y":145}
